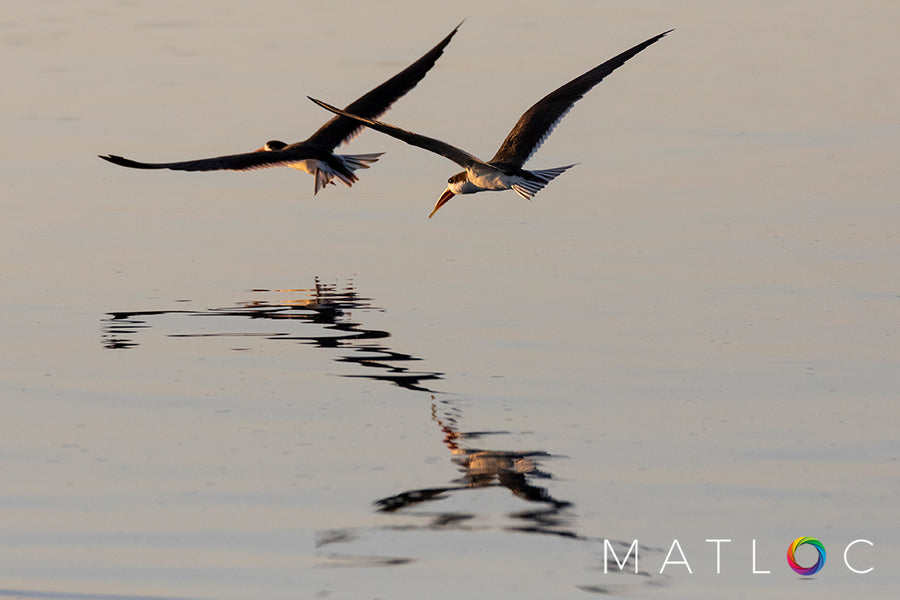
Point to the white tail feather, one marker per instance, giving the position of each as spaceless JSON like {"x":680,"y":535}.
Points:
{"x":359,"y":161}
{"x":527,"y":188}
{"x":351,"y":162}
{"x":322,"y":179}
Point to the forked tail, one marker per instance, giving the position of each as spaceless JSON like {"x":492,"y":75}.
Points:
{"x":527,"y":188}
{"x":349,"y":164}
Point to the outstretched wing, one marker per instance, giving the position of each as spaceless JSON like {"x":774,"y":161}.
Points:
{"x":539,"y":121}
{"x":340,"y":130}
{"x":233,"y":162}
{"x":460,"y":157}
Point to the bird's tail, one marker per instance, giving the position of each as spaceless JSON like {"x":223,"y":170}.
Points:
{"x":527,"y":188}
{"x":359,"y":161}
{"x":349,"y":162}
{"x":323,"y":178}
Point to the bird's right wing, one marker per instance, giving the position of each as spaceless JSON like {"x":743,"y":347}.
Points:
{"x":460,"y":157}
{"x":247,"y":161}
{"x":539,"y":121}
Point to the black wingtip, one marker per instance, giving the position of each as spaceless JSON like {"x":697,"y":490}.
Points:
{"x":127,"y":162}
{"x":444,"y":42}
{"x":656,"y":38}
{"x":326,"y":106}
{"x":336,"y":110}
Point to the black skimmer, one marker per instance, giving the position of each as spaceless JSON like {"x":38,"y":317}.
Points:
{"x":315,"y":155}
{"x":504,"y":171}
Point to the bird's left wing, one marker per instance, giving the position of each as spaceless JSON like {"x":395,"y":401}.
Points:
{"x":460,"y":157}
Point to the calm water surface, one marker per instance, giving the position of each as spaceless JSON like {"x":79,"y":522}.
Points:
{"x":219,"y":386}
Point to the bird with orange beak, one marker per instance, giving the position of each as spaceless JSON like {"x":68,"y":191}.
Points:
{"x":504,"y":171}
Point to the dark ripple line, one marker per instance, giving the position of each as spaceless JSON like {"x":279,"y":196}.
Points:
{"x":325,"y":305}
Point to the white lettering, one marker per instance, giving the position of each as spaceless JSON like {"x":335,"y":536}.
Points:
{"x":847,"y":562}
{"x":607,"y":547}
{"x":755,"y":572}
{"x":718,"y":543}
{"x":683,"y":560}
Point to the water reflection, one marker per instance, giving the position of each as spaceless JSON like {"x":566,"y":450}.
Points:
{"x":324,"y":305}
{"x":482,"y":468}
{"x":323,"y":316}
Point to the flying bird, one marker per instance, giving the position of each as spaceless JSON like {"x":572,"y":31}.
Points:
{"x":315,"y":155}
{"x":504,"y":171}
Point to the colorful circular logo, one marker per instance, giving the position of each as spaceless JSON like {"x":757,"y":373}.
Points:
{"x":800,"y":541}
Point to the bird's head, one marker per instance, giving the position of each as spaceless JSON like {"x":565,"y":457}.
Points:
{"x":272,"y":145}
{"x":455,"y":185}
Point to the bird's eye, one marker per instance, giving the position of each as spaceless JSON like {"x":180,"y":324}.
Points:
{"x":450,"y":180}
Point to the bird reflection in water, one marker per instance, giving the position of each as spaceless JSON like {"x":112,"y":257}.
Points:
{"x":327,"y":309}
{"x":483,"y":468}
{"x":281,"y":315}
{"x":325,"y":305}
